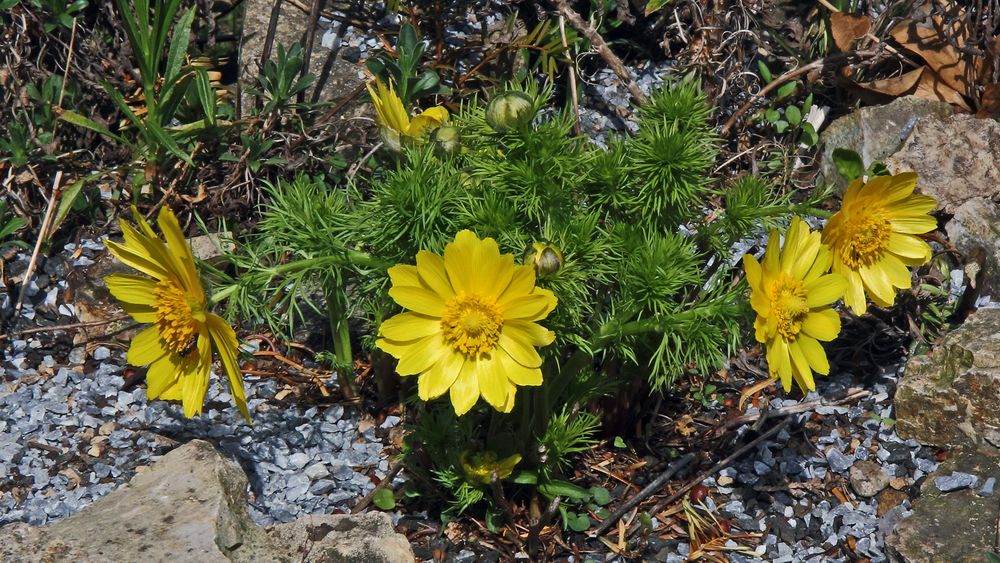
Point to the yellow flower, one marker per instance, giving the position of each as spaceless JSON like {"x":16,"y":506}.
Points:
{"x":481,"y":467}
{"x":394,"y":120}
{"x":873,"y":237}
{"x":791,"y":293}
{"x":471,"y":327}
{"x":178,"y":346}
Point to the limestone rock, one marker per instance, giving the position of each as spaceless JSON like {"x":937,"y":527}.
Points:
{"x":187,"y":506}
{"x":956,"y":159}
{"x":367,"y":538}
{"x":191,"y":506}
{"x":336,"y":78}
{"x":974,"y":230}
{"x":876,"y":132}
{"x":956,"y":527}
{"x":867,"y":478}
{"x":209,"y":247}
{"x":948,"y":397}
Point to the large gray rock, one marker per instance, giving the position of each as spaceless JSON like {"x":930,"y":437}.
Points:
{"x":949,"y":397}
{"x":974,"y":230}
{"x":191,"y":506}
{"x":336,"y":77}
{"x":956,"y":159}
{"x":876,"y":132}
{"x":956,"y":527}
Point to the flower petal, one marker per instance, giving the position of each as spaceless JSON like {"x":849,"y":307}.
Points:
{"x":162,"y":375}
{"x":439,"y":378}
{"x":404,"y":274}
{"x":138,"y":259}
{"x":519,"y":348}
{"x":519,"y":374}
{"x":460,"y":258}
{"x":194,"y":383}
{"x":430,"y":268}
{"x":854,"y":297}
{"x":421,"y":355}
{"x":522,"y":282}
{"x":224,"y":340}
{"x":147,"y":347}
{"x":825,"y":290}
{"x":823,"y":324}
{"x":898,"y":273}
{"x":752,"y":267}
{"x":465,"y":389}
{"x":179,"y":250}
{"x":131,"y":289}
{"x":909,"y":246}
{"x":800,"y":366}
{"x":409,"y":326}
{"x":877,"y":283}
{"x":814,"y":353}
{"x":914,"y":225}
{"x":492,"y":379}
{"x":896,"y":187}
{"x":527,"y":331}
{"x":532,"y":307}
{"x":418,"y":299}
{"x":778,"y":362}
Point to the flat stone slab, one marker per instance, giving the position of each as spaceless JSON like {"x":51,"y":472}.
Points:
{"x":191,"y":506}
{"x":956,"y":527}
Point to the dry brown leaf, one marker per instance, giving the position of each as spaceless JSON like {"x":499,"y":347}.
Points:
{"x":848,"y":28}
{"x":685,"y":426}
{"x":924,"y":38}
{"x":920,"y":82}
{"x":989,"y":103}
{"x":897,"y":86}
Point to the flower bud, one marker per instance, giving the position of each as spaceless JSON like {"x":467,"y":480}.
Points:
{"x":546,"y":258}
{"x":391,"y":139}
{"x":447,"y":139}
{"x":510,"y":110}
{"x":482,"y":467}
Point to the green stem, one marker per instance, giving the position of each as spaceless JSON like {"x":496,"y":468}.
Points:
{"x":336,"y":306}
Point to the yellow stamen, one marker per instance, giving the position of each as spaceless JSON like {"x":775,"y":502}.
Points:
{"x":788,"y":304}
{"x":471,"y":324}
{"x":175,"y":315}
{"x":865,"y":240}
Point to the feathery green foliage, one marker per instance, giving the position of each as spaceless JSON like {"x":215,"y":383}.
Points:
{"x":645,"y":278}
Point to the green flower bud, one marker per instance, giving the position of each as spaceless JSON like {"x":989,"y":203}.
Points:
{"x":391,"y":139}
{"x":510,"y":110}
{"x":546,"y":258}
{"x":447,"y":139}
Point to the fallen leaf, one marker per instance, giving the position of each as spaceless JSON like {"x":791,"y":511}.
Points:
{"x":848,"y":28}
{"x":956,"y":69}
{"x":685,"y":426}
{"x":989,"y":102}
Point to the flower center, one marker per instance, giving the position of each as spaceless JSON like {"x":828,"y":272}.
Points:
{"x":866,"y":239}
{"x":175,"y":316}
{"x":471,"y":324}
{"x":788,"y":304}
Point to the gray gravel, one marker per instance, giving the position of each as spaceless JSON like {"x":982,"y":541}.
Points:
{"x":69,"y":434}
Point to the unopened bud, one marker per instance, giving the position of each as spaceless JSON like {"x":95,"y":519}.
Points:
{"x":546,"y":258}
{"x":447,"y":139}
{"x":510,"y":110}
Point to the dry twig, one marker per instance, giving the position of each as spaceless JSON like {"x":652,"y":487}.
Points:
{"x":715,"y":469}
{"x":602,"y":49}
{"x":794,"y":73}
{"x":42,"y":234}
{"x":364,"y":502}
{"x":643,"y":494}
